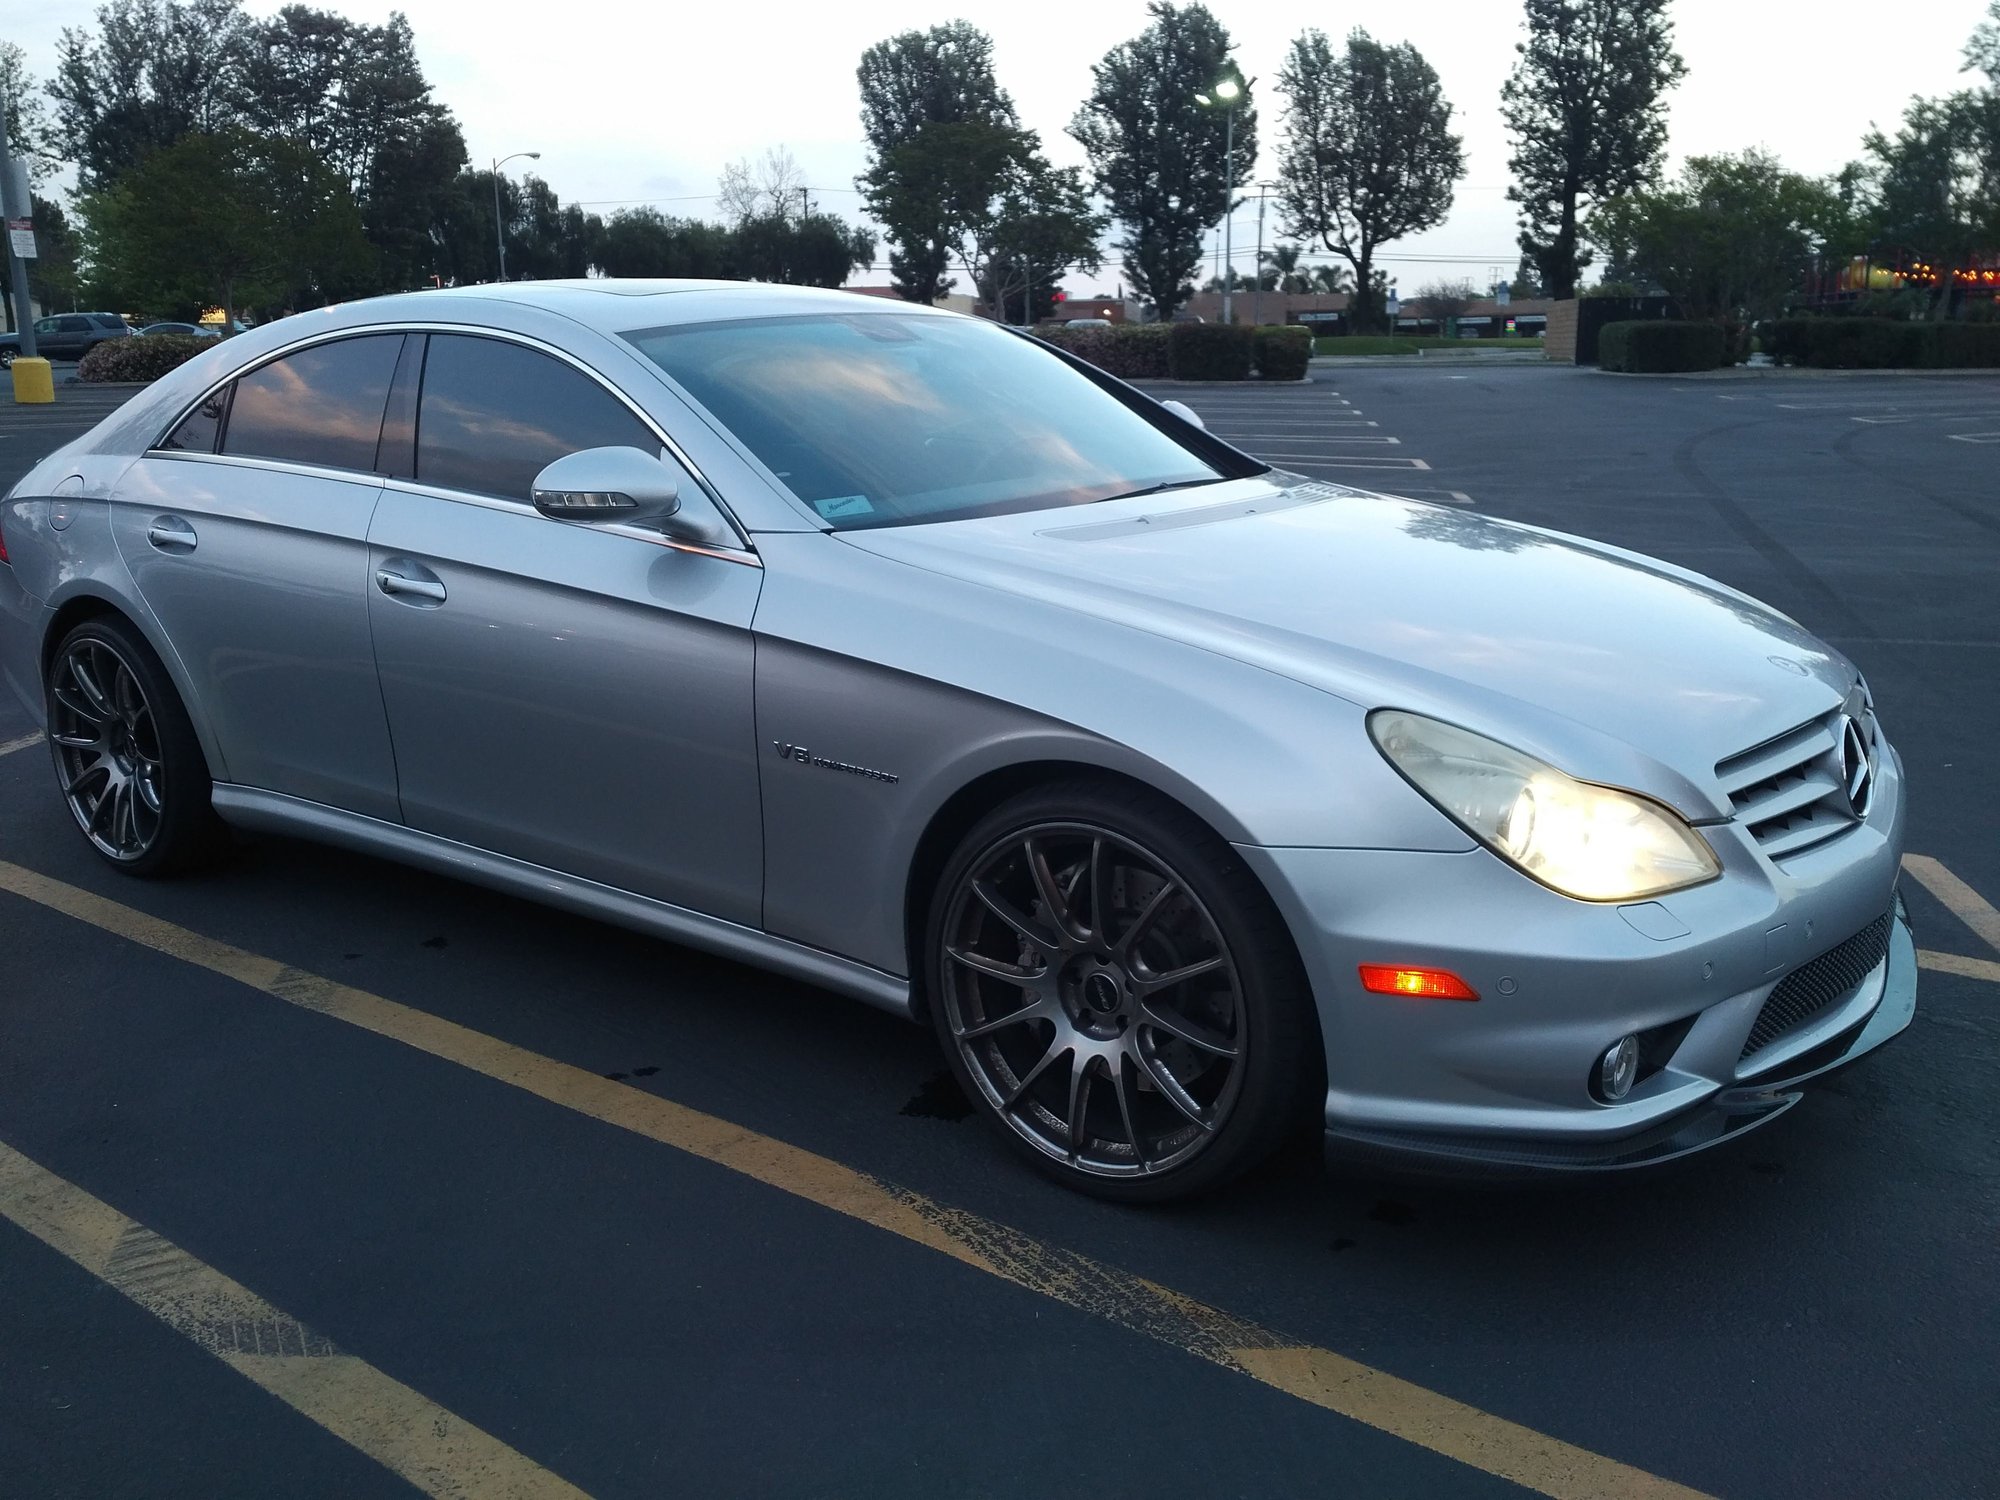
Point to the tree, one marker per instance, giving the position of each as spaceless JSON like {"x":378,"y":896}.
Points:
{"x":1587,"y":107}
{"x":26,"y":122}
{"x":1369,"y":155}
{"x":1287,"y":274}
{"x":223,"y":218}
{"x":155,"y":71}
{"x":646,"y":242}
{"x":1330,"y":279}
{"x":54,"y":277}
{"x":413,"y":197}
{"x":1043,"y":225}
{"x":1445,"y":300}
{"x":1159,"y":154}
{"x":1733,"y":236}
{"x":1930,"y":188}
{"x":800,"y":249}
{"x":1527,"y":280}
{"x":775,"y":185}
{"x":943,"y":76}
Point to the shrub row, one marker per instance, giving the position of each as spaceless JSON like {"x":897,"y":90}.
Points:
{"x":1882,"y":344}
{"x":1661,"y":346}
{"x":1188,"y":351}
{"x":139,"y":358}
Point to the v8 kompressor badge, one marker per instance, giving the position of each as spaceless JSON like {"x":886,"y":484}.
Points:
{"x":800,"y":754}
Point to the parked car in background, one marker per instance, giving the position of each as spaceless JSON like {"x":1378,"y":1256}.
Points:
{"x":68,"y":335}
{"x":185,"y":330}
{"x":1087,"y":323}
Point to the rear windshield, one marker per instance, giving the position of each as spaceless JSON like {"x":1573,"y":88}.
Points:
{"x":887,"y":419}
{"x":108,"y":320}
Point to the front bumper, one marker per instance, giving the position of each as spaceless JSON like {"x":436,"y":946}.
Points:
{"x":1504,"y":1085}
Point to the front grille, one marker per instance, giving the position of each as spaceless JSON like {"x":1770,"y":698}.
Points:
{"x":1788,"y":792}
{"x":1812,"y":987}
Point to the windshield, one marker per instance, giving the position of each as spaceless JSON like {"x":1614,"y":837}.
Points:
{"x":886,"y":419}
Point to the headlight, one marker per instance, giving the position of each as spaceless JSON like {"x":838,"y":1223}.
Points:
{"x":1591,"y":842}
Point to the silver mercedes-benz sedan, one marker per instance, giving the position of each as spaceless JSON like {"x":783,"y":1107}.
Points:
{"x":1185,"y":798}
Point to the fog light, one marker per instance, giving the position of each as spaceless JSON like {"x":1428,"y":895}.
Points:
{"x":1617,"y":1069}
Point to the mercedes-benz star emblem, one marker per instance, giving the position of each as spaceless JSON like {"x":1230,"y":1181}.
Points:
{"x":1857,"y":770}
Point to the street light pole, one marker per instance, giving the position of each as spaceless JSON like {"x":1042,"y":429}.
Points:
{"x":1227,"y":92}
{"x":17,"y":268}
{"x":1257,"y":271}
{"x":499,"y":230}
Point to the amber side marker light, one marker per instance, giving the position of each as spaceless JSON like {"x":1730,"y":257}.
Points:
{"x":1419,"y":984}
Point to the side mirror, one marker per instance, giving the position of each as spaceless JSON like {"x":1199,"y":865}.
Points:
{"x":1186,"y":413}
{"x":608,"y":484}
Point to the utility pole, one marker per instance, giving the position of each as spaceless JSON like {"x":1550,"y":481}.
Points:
{"x":20,"y":215}
{"x":1257,"y":286}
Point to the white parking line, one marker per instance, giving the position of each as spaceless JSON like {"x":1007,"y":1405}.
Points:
{"x":1975,"y":437}
{"x":21,"y":744}
{"x":1312,"y":461}
{"x":1881,"y":421}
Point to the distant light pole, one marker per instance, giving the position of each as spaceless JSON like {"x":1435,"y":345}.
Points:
{"x":1226,"y":93}
{"x":499,"y":231}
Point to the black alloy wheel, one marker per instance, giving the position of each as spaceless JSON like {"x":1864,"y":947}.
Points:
{"x":1114,"y":990}
{"x":131,"y":769}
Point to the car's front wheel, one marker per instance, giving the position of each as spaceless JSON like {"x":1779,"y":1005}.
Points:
{"x":131,"y":770}
{"x":1115,"y":991}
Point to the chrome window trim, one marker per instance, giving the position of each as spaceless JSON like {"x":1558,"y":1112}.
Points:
{"x":467,"y":330}
{"x":280,"y":465}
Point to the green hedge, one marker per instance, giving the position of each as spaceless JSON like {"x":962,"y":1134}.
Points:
{"x":1210,"y":351}
{"x":1282,"y":351}
{"x":1131,"y":351}
{"x":139,"y":358}
{"x":1882,"y":344}
{"x":1661,"y":346}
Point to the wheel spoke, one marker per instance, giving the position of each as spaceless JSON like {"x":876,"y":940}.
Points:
{"x":1021,"y":924}
{"x":1147,"y":915}
{"x":149,"y":789}
{"x":73,"y":699}
{"x":1191,"y":1032}
{"x":74,"y":786}
{"x":1170,"y":1088}
{"x":125,"y":694}
{"x":1152,"y":984}
{"x":994,"y":968}
{"x":124,"y":828}
{"x":77,"y":741}
{"x":1034,"y":1010}
{"x":1079,"y":1101}
{"x":86,"y":683}
{"x":1058,"y":1045}
{"x":107,"y":802}
{"x":1101,"y":869}
{"x":1051,"y":891}
{"x":1124,"y":1092}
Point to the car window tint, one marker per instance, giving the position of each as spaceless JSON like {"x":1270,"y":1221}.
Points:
{"x":75,"y":325}
{"x":108,"y":320}
{"x":494,"y":415}
{"x":320,"y":406}
{"x":46,"y":326}
{"x":195,"y":432}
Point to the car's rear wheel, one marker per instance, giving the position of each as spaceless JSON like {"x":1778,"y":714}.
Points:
{"x":1114,"y":990}
{"x":131,"y":770}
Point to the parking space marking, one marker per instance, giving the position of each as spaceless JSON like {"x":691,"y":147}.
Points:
{"x":1881,"y":421}
{"x":1975,"y":437}
{"x":10,"y":746}
{"x":1960,"y":899}
{"x":1959,"y":964}
{"x":406,"y":1432}
{"x":1322,"y":461}
{"x":1362,"y":1393}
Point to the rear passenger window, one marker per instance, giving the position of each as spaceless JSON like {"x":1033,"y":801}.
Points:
{"x":107,"y":320}
{"x":321,"y":406}
{"x":494,"y":415}
{"x":74,"y":324}
{"x":195,"y":433}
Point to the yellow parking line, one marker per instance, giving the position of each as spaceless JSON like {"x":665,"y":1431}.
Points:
{"x":1960,"y":899}
{"x":1956,"y":963}
{"x":1423,"y":1417}
{"x":407,"y":1433}
{"x":10,"y":746}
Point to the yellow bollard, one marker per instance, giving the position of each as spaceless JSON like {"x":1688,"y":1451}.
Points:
{"x":34,"y":383}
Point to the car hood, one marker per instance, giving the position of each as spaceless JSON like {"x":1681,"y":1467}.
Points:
{"x":1615,"y":667}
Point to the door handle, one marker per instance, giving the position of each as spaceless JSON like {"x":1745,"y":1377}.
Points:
{"x":422,"y":588}
{"x":170,"y":534}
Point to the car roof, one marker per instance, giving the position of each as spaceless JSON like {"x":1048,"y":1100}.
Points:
{"x":612,"y":305}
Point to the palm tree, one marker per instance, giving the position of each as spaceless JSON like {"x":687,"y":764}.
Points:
{"x":1330,"y":278}
{"x":1284,"y":261}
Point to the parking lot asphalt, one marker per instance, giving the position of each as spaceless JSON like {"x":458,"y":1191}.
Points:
{"x":321,"y":1176}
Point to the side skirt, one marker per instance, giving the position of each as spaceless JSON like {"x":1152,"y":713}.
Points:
{"x":273,"y":812}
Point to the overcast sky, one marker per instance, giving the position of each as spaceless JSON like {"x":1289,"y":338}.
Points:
{"x":645,"y":102}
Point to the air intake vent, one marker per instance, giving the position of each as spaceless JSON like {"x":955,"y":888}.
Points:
{"x":1795,"y":792}
{"x":1812,"y":987}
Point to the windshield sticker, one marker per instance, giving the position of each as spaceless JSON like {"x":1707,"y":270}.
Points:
{"x":844,"y":505}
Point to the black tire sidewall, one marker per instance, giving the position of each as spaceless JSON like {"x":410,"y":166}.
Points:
{"x":189,"y":830}
{"x":1282,"y":1056}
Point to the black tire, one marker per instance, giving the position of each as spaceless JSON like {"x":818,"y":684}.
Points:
{"x":123,"y":724}
{"x":1025,"y":993}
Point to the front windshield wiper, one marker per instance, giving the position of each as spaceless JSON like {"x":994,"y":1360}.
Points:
{"x":1164,"y":484}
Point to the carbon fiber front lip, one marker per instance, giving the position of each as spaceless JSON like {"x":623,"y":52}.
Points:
{"x":1730,"y":1112}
